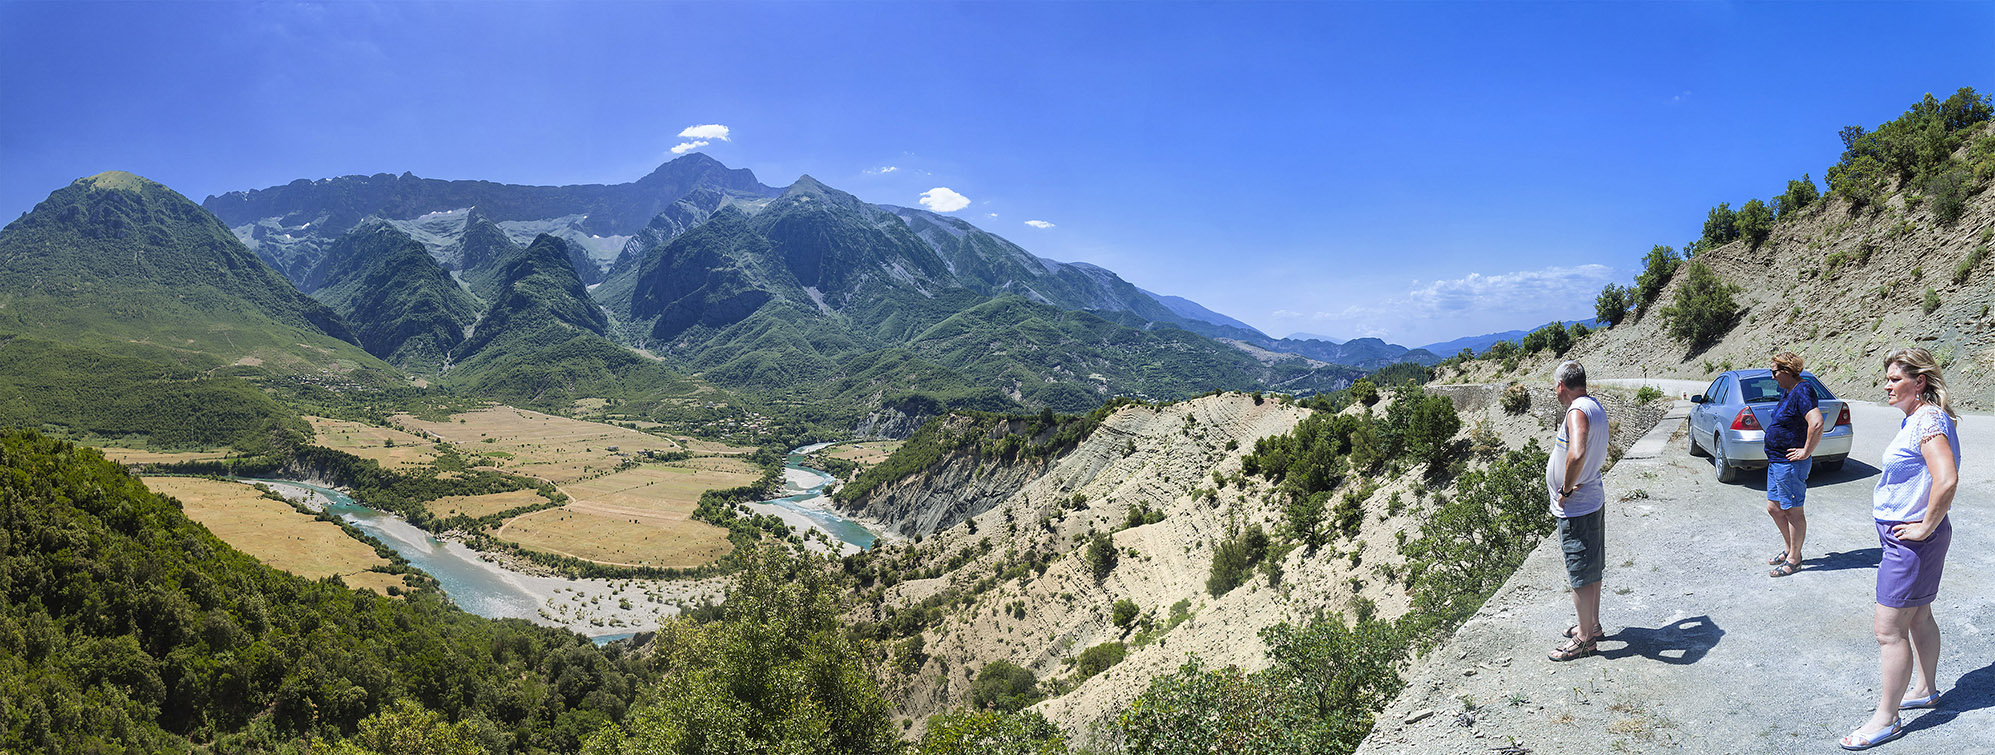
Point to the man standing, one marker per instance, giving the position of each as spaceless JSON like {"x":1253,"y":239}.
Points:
{"x":1572,"y":477}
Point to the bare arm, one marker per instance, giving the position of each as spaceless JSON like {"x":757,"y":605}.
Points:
{"x":1939,"y":461}
{"x":1575,"y":448}
{"x":1807,"y":448}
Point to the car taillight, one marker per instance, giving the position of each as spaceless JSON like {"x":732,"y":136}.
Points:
{"x":1745,"y":421}
{"x":1843,"y":417}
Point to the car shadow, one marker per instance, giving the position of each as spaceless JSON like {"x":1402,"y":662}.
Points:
{"x":1853,"y":470}
{"x":1680,"y":643}
{"x":1866,"y":558}
{"x":1975,"y":691}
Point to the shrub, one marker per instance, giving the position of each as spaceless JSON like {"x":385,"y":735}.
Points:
{"x":1800,"y":194}
{"x":1647,"y":394}
{"x":1101,"y":556}
{"x":1965,"y":269}
{"x":1553,"y":337}
{"x":1364,"y":391}
{"x":1658,"y":266}
{"x":1097,"y":659}
{"x":1611,"y":306}
{"x":1516,"y":399}
{"x":1469,"y":545}
{"x":1721,"y":225}
{"x":1861,"y":182}
{"x":966,"y":732}
{"x":1950,"y":191}
{"x":1755,"y":223}
{"x":1931,"y":302}
{"x":1704,"y":309}
{"x":1124,"y":612}
{"x":1304,"y":516}
{"x":1004,"y":686}
{"x":1234,"y":560}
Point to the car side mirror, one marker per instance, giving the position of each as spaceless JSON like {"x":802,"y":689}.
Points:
{"x":1697,"y":399}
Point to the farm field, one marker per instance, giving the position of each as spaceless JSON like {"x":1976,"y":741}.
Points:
{"x":483,"y":505}
{"x":275,"y":533}
{"x":142,"y":456}
{"x":392,"y":448}
{"x":637,"y":516}
{"x":865,"y":454}
{"x":555,"y":449}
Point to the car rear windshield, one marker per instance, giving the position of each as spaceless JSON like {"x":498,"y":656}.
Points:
{"x":1762,"y":388}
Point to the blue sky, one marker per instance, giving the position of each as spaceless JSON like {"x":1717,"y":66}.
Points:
{"x":1413,"y":171}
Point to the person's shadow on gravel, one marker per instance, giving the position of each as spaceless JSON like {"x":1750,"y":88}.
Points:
{"x":1974,"y":691}
{"x":1865,"y":558}
{"x":1681,"y":643}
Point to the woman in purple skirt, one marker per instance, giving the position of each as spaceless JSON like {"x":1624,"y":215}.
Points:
{"x":1921,"y":468}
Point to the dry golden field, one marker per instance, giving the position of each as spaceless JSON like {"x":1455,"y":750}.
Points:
{"x":865,"y":454}
{"x":637,"y":516}
{"x":392,"y":448}
{"x":555,"y":449}
{"x":275,"y":533}
{"x":139,"y":456}
{"x":483,"y":505}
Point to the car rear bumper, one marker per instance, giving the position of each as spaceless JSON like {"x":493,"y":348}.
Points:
{"x":1746,"y":449}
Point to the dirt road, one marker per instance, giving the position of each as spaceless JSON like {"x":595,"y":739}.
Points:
{"x":1704,"y":653}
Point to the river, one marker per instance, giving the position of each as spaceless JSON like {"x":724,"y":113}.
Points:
{"x":604,"y":609}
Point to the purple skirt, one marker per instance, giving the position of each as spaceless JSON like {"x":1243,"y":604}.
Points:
{"x":1909,"y":574}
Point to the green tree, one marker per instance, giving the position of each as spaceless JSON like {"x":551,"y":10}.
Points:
{"x":1950,"y":191}
{"x":1721,"y":225}
{"x":1471,"y":542}
{"x":1755,"y":222}
{"x":1199,"y":711}
{"x":1611,"y":306}
{"x":1705,"y":307}
{"x":1124,"y":612}
{"x":1235,"y":558}
{"x":777,"y":673}
{"x":1364,"y":391}
{"x":1336,"y":677}
{"x":1658,"y":266}
{"x":1800,"y":193}
{"x":1004,"y":686}
{"x":1102,"y":556}
{"x":407,"y":728}
{"x":1097,"y":659}
{"x":986,"y":732}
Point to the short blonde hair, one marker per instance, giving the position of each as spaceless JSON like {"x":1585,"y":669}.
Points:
{"x":1789,"y":361}
{"x":1918,"y":362}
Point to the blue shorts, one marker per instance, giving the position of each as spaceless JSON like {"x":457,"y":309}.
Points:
{"x":1787,"y":482}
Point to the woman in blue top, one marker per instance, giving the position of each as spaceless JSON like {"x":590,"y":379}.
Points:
{"x":1792,"y":432}
{"x":1921,"y":468}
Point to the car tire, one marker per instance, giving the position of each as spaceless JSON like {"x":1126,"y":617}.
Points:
{"x":1690,"y":439}
{"x":1725,"y":471}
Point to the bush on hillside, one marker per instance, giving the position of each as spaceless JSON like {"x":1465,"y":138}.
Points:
{"x":1234,"y":560}
{"x":1611,"y":306}
{"x":1950,"y":191}
{"x":1721,"y":225}
{"x":1004,"y":686}
{"x":1516,"y":399}
{"x":1469,"y":545}
{"x":1097,"y":659}
{"x":1658,"y":266}
{"x":1364,"y":391}
{"x":1800,"y":193}
{"x":1755,"y":222}
{"x":1124,"y":612}
{"x":1965,"y":269}
{"x":982,"y":732}
{"x":1553,"y":337}
{"x":1931,"y":301}
{"x":1304,"y":518}
{"x":1102,"y":556}
{"x":1909,"y":149}
{"x":1704,"y":309}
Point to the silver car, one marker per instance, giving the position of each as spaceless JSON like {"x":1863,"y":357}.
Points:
{"x":1728,"y":422}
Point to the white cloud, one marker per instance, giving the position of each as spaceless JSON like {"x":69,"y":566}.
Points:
{"x":993,"y":214}
{"x":708,"y":131}
{"x":1471,"y":305}
{"x":1521,"y":291}
{"x":1038,"y":224}
{"x":882,"y":170}
{"x":943,"y":199}
{"x":688,"y":147}
{"x":1286,"y":314}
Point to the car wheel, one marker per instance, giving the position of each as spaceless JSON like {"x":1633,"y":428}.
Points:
{"x":1690,"y":440}
{"x":1724,"y":469}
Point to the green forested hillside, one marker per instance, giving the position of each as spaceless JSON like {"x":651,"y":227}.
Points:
{"x":85,"y":393}
{"x":402,"y":305}
{"x":128,"y":627}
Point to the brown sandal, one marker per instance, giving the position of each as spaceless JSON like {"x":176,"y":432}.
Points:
{"x":1572,"y":650}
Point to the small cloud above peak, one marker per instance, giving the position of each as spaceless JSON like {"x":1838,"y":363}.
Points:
{"x":943,"y":199}
{"x":882,"y":170}
{"x":1039,"y":224}
{"x":708,"y":131}
{"x":688,"y":147}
